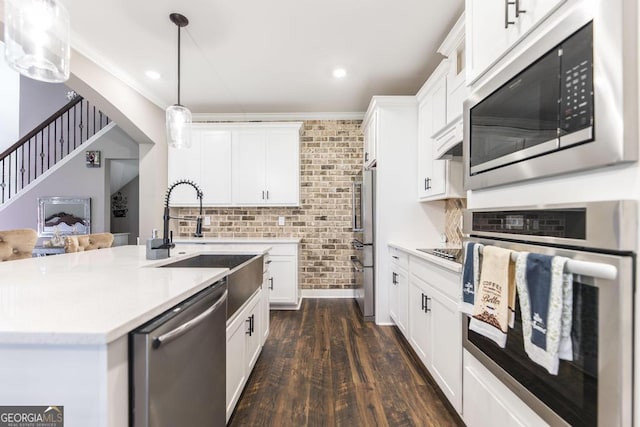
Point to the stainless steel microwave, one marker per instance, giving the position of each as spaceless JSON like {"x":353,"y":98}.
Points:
{"x":563,"y":105}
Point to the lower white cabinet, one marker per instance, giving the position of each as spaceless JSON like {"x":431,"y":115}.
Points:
{"x":488,"y":402}
{"x":244,"y":343}
{"x":435,"y":329}
{"x":264,"y":301}
{"x":283,"y":283}
{"x":399,"y":290}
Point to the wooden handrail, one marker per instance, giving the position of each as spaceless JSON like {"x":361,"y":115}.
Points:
{"x":41,"y":126}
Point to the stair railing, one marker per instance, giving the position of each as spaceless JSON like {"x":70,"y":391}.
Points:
{"x":47,"y":144}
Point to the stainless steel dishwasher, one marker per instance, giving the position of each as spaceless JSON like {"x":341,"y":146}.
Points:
{"x":178,"y":364}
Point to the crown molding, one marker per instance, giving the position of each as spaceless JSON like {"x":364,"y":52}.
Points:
{"x":271,"y":117}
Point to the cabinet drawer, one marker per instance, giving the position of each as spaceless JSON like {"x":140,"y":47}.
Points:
{"x":446,"y":281}
{"x":400,"y":258}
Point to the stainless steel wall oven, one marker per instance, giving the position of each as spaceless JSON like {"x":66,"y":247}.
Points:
{"x":561,"y":105}
{"x":595,"y":389}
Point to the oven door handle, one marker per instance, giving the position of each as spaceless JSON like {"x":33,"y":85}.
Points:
{"x":357,"y":265}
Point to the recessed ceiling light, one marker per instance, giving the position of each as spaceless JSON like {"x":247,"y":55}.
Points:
{"x":153,"y":75}
{"x":339,"y":73}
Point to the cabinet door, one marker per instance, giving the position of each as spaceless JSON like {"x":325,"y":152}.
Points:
{"x":215,"y":158}
{"x":486,"y":35}
{"x":283,"y":280}
{"x":185,"y":164}
{"x":419,"y":327}
{"x":535,"y":11}
{"x":253,"y":337}
{"x":248,"y":166}
{"x":393,"y":294}
{"x":282,"y":168}
{"x":403,"y":300}
{"x":371,"y":140}
{"x":236,"y":355}
{"x":425,"y":158}
{"x":445,"y":345}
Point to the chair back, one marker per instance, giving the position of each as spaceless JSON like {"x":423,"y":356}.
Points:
{"x":17,"y":244}
{"x":87,"y":242}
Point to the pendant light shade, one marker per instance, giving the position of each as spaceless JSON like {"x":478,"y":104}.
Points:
{"x":178,"y":116}
{"x":179,"y":126}
{"x":36,"y":36}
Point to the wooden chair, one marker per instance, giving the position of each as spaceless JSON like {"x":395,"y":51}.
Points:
{"x":17,"y":244}
{"x":87,"y":242}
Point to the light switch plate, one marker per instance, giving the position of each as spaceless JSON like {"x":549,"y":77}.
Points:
{"x":280,"y":220}
{"x":207,"y":220}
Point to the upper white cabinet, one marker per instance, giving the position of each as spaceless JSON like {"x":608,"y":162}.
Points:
{"x":370,"y":130}
{"x":447,"y":135}
{"x":207,"y":163}
{"x":239,"y":164}
{"x":266,"y":166}
{"x":437,"y":179}
{"x":494,"y":26}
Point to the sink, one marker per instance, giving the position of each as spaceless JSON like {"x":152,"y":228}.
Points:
{"x":211,"y":261}
{"x":244,"y":279}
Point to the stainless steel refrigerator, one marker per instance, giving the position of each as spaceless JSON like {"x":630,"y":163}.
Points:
{"x":363,"y":207}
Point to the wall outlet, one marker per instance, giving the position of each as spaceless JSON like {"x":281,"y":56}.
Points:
{"x":280,"y":220}
{"x":207,"y":220}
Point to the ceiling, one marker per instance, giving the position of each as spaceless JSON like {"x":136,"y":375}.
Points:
{"x":267,"y":56}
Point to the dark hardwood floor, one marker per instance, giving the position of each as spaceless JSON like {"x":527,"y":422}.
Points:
{"x":323,"y":366}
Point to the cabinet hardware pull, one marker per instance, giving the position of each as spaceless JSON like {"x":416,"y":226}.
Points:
{"x":268,"y":262}
{"x":366,"y":157}
{"x":426,"y":304}
{"x":262,"y":194}
{"x":249,"y":331}
{"x":267,"y":194}
{"x":271,"y":283}
{"x":427,"y":184}
{"x":507,"y":3}
{"x":518,"y":10}
{"x":394,"y":279}
{"x":394,"y":257}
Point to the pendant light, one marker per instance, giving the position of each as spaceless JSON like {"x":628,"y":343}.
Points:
{"x":36,"y":37}
{"x":178,"y":117}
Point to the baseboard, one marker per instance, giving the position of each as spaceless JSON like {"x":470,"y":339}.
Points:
{"x":328,"y":293}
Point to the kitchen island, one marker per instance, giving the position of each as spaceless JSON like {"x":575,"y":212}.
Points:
{"x":64,"y":324}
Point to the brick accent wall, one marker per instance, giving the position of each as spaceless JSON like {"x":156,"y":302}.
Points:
{"x":330,"y":160}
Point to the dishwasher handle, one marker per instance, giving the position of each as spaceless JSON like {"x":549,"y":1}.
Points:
{"x":185,"y":327}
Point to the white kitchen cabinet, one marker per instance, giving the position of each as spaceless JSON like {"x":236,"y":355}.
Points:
{"x":207,"y":163}
{"x":489,"y":403}
{"x":243,"y":348}
{"x":448,"y":137}
{"x":370,"y":131}
{"x":265,"y":312}
{"x":437,"y":179}
{"x":399,"y":290}
{"x":239,"y":164}
{"x":283,"y":282}
{"x":266,"y":166}
{"x":493,"y":27}
{"x":435,"y":328}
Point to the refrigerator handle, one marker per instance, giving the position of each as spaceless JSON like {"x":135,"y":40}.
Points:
{"x":356,"y":217}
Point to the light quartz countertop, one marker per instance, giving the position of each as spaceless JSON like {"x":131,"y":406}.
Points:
{"x":239,"y":240}
{"x":96,"y":297}
{"x":412,"y":249}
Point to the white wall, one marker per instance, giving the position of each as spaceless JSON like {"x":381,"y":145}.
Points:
{"x":74,"y":179}
{"x":9,"y":104}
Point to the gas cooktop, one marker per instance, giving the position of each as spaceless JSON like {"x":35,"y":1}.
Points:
{"x":454,"y":255}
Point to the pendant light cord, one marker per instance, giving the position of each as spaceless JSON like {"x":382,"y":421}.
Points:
{"x":179,"y":65}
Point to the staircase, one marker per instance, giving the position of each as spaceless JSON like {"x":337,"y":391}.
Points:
{"x":50,"y":142}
